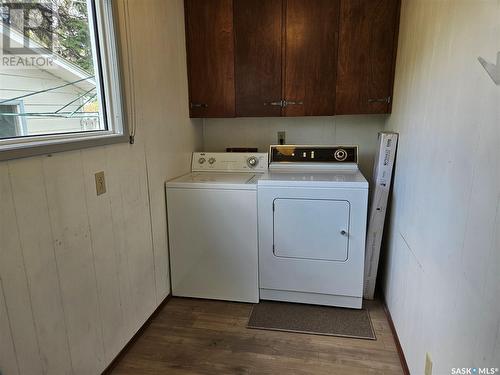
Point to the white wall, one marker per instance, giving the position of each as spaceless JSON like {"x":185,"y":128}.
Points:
{"x":14,"y":83}
{"x":218,"y":134}
{"x":79,"y":274}
{"x":442,"y":281}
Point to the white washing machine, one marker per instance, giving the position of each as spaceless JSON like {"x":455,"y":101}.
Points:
{"x":312,"y":209}
{"x":212,"y":227}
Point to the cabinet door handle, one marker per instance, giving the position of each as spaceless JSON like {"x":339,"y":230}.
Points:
{"x":276,"y":104}
{"x":380,"y":100}
{"x":293,"y":102}
{"x":198,"y":105}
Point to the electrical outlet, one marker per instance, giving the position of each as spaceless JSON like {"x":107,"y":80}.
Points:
{"x":281,"y":138}
{"x":100,"y":183}
{"x":428,"y":364}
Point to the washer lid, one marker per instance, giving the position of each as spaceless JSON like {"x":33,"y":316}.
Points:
{"x":330,"y":179}
{"x":220,"y":180}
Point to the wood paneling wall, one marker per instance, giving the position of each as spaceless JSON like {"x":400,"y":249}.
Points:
{"x":442,"y":279}
{"x":79,"y":274}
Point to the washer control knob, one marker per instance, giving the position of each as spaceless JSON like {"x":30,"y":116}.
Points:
{"x":201,"y":160}
{"x":211,"y":160}
{"x":252,"y":161}
{"x":340,"y":154}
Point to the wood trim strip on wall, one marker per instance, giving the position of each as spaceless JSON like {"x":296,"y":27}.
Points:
{"x":136,"y":336}
{"x":395,"y":55}
{"x":401,"y":354}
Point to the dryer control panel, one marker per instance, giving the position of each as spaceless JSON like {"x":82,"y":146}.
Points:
{"x":313,"y":154}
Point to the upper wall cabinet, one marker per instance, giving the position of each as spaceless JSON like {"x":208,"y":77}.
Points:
{"x":367,"y":50}
{"x":210,"y":57}
{"x":286,"y":56}
{"x":290,"y":57}
{"x":310,"y":57}
{"x":258,"y":32}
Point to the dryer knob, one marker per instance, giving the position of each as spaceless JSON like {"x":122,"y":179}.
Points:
{"x":340,"y":154}
{"x":252,"y":161}
{"x":201,"y":160}
{"x":211,"y":160}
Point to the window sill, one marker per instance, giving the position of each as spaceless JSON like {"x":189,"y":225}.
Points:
{"x":46,"y":145}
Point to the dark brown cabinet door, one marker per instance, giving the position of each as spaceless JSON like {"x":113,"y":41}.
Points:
{"x":258,"y":29}
{"x":310,"y":57}
{"x":210,"y":54}
{"x":367,"y":48}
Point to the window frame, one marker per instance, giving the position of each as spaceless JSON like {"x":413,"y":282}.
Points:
{"x":19,"y":104}
{"x":105,"y":50}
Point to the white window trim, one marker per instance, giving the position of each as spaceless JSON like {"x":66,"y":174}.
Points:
{"x":23,"y":128}
{"x":117,"y":131}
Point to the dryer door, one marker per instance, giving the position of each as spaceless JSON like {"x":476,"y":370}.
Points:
{"x":316,"y":229}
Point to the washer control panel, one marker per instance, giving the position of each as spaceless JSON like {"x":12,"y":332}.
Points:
{"x":230,"y":161}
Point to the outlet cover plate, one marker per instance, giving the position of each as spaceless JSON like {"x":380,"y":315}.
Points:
{"x":281,"y":138}
{"x":100,"y":183}
{"x":428,"y":364}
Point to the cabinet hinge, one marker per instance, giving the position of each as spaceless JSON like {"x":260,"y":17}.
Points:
{"x":198,"y":105}
{"x":380,"y":100}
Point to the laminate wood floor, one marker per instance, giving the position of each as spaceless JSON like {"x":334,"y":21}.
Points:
{"x":190,"y":336}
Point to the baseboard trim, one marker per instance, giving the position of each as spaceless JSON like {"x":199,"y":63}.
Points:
{"x":134,"y":338}
{"x":401,"y":354}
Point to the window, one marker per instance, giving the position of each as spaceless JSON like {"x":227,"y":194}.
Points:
{"x":11,"y":123}
{"x":59,"y":79}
